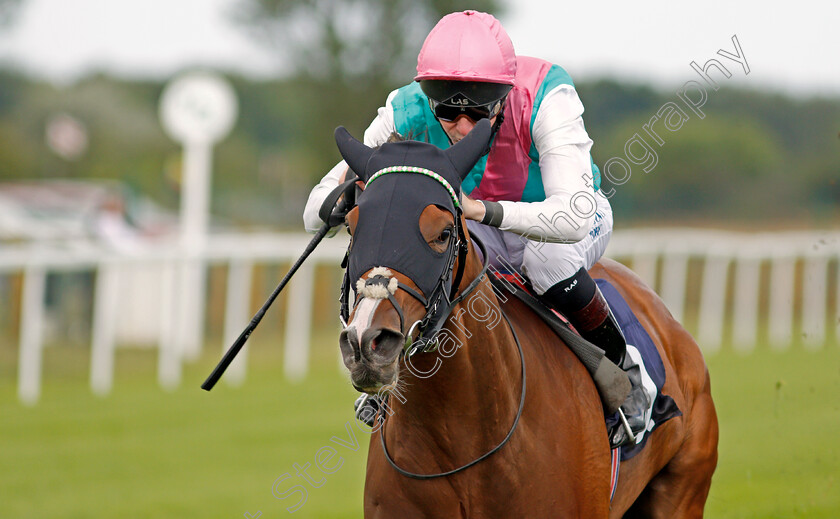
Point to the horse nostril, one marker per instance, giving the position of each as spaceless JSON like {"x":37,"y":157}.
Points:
{"x":383,"y":344}
{"x":348,"y":343}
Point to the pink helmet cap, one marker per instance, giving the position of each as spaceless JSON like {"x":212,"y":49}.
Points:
{"x":468,"y":46}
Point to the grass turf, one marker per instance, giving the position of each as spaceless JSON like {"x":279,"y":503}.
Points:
{"x":142,"y":452}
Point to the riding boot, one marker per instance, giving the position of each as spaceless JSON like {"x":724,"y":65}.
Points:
{"x":581,"y":301}
{"x":366,"y":408}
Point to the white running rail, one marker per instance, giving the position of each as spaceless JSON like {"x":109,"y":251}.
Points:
{"x":773,"y":286}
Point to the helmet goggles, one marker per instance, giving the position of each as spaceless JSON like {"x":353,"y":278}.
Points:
{"x":477,"y":100}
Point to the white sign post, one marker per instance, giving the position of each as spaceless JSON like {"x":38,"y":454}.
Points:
{"x":197,"y":109}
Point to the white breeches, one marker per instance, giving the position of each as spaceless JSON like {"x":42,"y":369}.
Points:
{"x":546,"y":264}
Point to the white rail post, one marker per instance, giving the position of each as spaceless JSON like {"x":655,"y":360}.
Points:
{"x":104,"y":328}
{"x":780,"y":319}
{"x":189,"y":329}
{"x":197,"y":109}
{"x":745,"y":310}
{"x":836,"y":317}
{"x":298,"y":323}
{"x":237,"y":314}
{"x":674,"y":270}
{"x":644,"y":265}
{"x":712,"y":302}
{"x":814,"y":301}
{"x":169,"y":357}
{"x":31,"y":334}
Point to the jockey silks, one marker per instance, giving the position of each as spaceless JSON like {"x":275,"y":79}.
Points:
{"x":511,"y":171}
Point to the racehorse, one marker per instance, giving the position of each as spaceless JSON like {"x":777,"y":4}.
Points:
{"x":489,"y":414}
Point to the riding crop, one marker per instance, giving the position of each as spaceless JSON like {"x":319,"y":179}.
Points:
{"x":332,"y":214}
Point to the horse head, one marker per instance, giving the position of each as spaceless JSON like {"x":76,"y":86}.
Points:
{"x":408,"y":234}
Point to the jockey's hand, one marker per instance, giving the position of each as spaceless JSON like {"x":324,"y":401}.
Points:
{"x":473,"y":209}
{"x":343,"y":177}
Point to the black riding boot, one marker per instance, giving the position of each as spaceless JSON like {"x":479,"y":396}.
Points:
{"x":580,"y":300}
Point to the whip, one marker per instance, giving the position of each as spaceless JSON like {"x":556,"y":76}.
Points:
{"x":332,"y":213}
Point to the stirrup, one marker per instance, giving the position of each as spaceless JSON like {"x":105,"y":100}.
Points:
{"x":631,"y":414}
{"x":631,"y":438}
{"x":625,"y":434}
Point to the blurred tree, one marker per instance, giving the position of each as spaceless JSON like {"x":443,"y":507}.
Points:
{"x":344,"y":57}
{"x":711,"y":169}
{"x":349,"y":43}
{"x":610,"y":101}
{"x":11,"y":87}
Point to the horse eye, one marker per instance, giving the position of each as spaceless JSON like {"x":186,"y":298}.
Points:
{"x":445,"y":235}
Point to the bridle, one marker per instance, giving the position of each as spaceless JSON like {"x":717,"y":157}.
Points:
{"x":484,"y":456}
{"x":438,"y":304}
{"x":438,"y":307}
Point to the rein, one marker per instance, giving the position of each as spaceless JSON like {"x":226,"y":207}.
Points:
{"x":438,"y":305}
{"x":411,"y":349}
{"x":423,"y":344}
{"x":487,"y":454}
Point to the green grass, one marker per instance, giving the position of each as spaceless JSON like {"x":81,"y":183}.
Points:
{"x":779,"y":415}
{"x":143,"y":452}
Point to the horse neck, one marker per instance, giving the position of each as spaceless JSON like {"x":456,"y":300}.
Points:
{"x":478,"y":380}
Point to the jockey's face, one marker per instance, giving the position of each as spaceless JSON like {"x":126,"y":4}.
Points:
{"x":460,"y":127}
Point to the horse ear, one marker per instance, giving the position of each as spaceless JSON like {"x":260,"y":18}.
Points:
{"x":355,"y":153}
{"x":466,"y":152}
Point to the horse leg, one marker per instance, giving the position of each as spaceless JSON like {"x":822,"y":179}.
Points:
{"x":680,"y":489}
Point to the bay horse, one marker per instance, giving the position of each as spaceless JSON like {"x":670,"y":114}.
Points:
{"x":495,"y":417}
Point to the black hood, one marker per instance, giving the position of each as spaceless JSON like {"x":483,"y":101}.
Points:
{"x":402,"y":179}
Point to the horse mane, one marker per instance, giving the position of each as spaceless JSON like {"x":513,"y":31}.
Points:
{"x":397,"y":137}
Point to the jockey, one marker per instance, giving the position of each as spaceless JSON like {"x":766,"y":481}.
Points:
{"x":534,"y":199}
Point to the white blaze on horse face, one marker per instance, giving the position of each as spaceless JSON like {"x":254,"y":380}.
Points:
{"x":363,"y":316}
{"x":379,"y":284}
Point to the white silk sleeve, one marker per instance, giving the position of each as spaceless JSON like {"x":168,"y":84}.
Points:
{"x":376,"y":134}
{"x":568,"y":211}
{"x":383,"y":125}
{"x":311,"y":221}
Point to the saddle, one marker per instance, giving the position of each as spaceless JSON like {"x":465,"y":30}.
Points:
{"x":612,"y":382}
{"x":643,"y":366}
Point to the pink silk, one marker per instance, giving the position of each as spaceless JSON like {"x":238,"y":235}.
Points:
{"x":507,"y":167}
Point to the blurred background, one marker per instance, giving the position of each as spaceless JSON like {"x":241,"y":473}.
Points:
{"x":134,"y":246}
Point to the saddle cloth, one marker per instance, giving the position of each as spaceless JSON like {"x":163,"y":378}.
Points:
{"x":651,"y":373}
{"x":646,"y":368}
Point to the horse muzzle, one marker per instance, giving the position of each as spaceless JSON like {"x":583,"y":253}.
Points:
{"x":373,"y":358}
